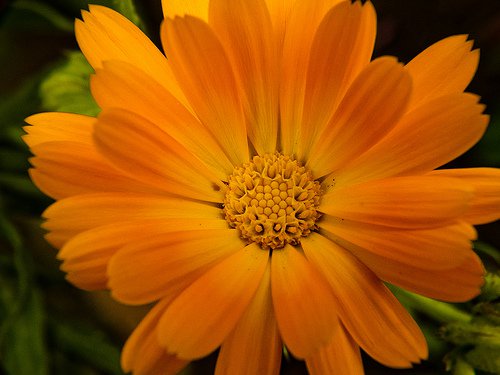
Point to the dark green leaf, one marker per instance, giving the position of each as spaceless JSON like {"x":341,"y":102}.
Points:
{"x":18,"y":183}
{"x":47,"y":12}
{"x":24,"y":349}
{"x":89,"y":345}
{"x":22,"y":334}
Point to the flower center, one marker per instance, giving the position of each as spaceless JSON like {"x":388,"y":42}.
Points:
{"x":272,"y":200}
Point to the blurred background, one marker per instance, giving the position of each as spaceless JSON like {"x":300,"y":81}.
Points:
{"x":49,"y":327}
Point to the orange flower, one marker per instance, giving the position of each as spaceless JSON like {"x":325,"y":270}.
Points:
{"x":261,"y":182}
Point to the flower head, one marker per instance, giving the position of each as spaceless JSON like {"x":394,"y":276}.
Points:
{"x":261,"y":183}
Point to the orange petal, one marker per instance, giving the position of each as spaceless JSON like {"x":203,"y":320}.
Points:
{"x":86,"y":256}
{"x":58,"y":127}
{"x":245,"y":30}
{"x":254,"y":346}
{"x":436,"y":249}
{"x":196,"y":8}
{"x":303,"y":302}
{"x":146,"y":271}
{"x":370,"y":313}
{"x":279,"y":10}
{"x":121,"y":85}
{"x":204,"y":72}
{"x":64,"y":169}
{"x":362,"y":118}
{"x":142,"y":353}
{"x":144,"y":152}
{"x":66,"y":161}
{"x":458,"y":284}
{"x":425,"y":138}
{"x":107,"y":35}
{"x":444,"y":68}
{"x":73,"y":215}
{"x":199,"y":320}
{"x":402,"y":202}
{"x":341,"y":356}
{"x":485,"y":205}
{"x":300,"y":28}
{"x":342,"y":47}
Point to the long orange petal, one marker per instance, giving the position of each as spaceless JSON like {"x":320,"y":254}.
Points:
{"x":254,"y":346}
{"x":86,"y":256}
{"x":279,"y":10}
{"x":341,"y":356}
{"x":205,"y":74}
{"x":485,"y":205}
{"x":144,"y":152}
{"x":402,"y":202}
{"x":58,"y":127}
{"x":437,"y":249}
{"x":371,"y":314}
{"x":142,"y":353}
{"x":245,"y":30}
{"x":64,"y":169}
{"x":67,"y":162}
{"x":107,"y":35}
{"x":70,"y":216}
{"x":342,"y":47}
{"x":458,"y":284}
{"x":303,"y":302}
{"x":352,"y":131}
{"x":146,"y":271}
{"x":425,"y":138}
{"x":199,"y":320}
{"x":121,"y":85}
{"x":300,"y":28}
{"x":444,"y":68}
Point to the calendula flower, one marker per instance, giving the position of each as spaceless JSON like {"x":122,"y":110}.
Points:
{"x":261,"y":180}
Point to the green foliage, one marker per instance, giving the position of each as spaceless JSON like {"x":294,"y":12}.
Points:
{"x":88,"y":344}
{"x":22,"y":334}
{"x":47,"y":12}
{"x":461,"y":367}
{"x":484,"y":358}
{"x":66,"y":88}
{"x":491,"y":288}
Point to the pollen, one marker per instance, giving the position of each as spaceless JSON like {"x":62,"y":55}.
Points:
{"x":272,"y":200}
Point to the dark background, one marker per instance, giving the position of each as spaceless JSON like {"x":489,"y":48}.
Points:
{"x":81,"y":332}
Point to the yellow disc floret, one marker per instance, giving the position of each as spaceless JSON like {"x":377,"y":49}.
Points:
{"x":272,"y":200}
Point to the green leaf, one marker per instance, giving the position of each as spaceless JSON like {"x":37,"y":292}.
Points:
{"x":488,"y":250}
{"x":490,"y":311}
{"x":13,"y":160}
{"x":487,"y":148}
{"x":19,"y":184}
{"x":491,"y":287}
{"x":24,"y":350}
{"x":463,"y":368}
{"x":485,"y":359}
{"x":89,"y":345}
{"x":22,"y":334}
{"x":47,"y":12}
{"x":474,"y":333}
{"x":66,"y":89}
{"x":15,"y":106}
